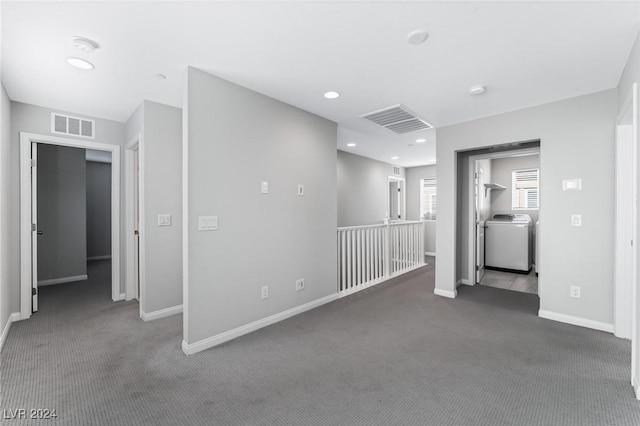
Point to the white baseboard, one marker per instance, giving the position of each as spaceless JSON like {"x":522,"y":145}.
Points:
{"x":121,"y":296}
{"x":5,"y":331}
{"x":218,"y":339}
{"x":445,"y":293}
{"x":581,"y":322}
{"x":162,"y":313}
{"x":63,"y":280}
{"x":430,"y":253}
{"x":105,"y":257}
{"x":463,"y":281}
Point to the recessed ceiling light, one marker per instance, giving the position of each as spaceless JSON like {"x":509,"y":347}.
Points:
{"x":84,"y":44}
{"x":160,"y":76}
{"x":351,"y":145}
{"x":395,"y":157}
{"x":80,"y":63}
{"x":331,"y":95}
{"x":476,"y":90}
{"x":417,"y":36}
{"x":421,"y":140}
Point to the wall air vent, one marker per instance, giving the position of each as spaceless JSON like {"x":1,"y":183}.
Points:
{"x":396,"y":170}
{"x":74,"y":126}
{"x":399,"y":119}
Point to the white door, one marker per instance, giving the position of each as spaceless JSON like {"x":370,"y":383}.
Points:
{"x":136,"y":231}
{"x":480,"y":225}
{"x":34,"y":227}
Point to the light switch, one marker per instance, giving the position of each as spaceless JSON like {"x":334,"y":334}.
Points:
{"x":207,"y":223}
{"x":301,"y":190}
{"x":164,"y":220}
{"x":572,"y":185}
{"x":576,"y":220}
{"x":265,"y":187}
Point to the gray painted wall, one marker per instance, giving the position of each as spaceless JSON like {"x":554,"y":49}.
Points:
{"x":35,"y":119}
{"x":263,"y":239}
{"x":161,"y":153}
{"x":502,"y":169}
{"x":8,"y":271}
{"x":362,"y":189}
{"x":414,"y":175}
{"x":98,"y":190}
{"x":62,"y":212}
{"x":576,"y":141}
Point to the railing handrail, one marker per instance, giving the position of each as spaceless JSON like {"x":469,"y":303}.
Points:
{"x":403,"y":222}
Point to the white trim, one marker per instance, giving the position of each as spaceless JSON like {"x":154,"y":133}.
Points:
{"x":445,"y":293}
{"x":162,"y":313}
{"x":636,"y":387}
{"x":185,"y":210}
{"x":26,"y":139}
{"x":62,"y":280}
{"x":581,"y":322}
{"x":463,"y":281}
{"x":5,"y":331}
{"x":430,"y":253}
{"x":104,"y":257}
{"x":404,"y":197}
{"x":129,"y":182}
{"x":218,"y":339}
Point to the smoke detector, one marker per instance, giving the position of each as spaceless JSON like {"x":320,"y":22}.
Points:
{"x":477,"y":90}
{"x":84,"y":44}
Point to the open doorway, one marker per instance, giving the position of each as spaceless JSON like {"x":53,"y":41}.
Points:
{"x":396,"y":198}
{"x":504,"y":200}
{"x":44,"y":215}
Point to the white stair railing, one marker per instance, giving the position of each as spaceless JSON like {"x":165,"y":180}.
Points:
{"x":371,"y":254}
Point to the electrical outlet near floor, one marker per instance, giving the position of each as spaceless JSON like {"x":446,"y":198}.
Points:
{"x":264,"y":292}
{"x":574,"y":291}
{"x":300,"y":284}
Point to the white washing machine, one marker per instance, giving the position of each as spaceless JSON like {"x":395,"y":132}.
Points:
{"x":509,"y":241}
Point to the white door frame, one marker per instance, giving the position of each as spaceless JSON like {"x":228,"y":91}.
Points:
{"x":626,"y":147}
{"x":129,"y":160}
{"x":25,"y":208}
{"x":402,"y":181}
{"x":471,"y":218}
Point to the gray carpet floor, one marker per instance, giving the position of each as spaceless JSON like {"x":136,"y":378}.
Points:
{"x":392,"y":354}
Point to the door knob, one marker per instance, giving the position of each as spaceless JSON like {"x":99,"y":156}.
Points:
{"x":40,"y":232}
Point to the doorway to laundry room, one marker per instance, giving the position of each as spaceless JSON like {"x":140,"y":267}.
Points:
{"x":504,"y":201}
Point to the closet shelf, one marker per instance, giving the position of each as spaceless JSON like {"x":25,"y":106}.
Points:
{"x":488,"y":186}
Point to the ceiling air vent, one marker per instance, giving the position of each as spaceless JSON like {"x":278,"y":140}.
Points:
{"x":399,"y":119}
{"x":75,"y":126}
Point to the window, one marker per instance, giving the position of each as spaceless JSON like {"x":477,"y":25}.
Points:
{"x":524,"y":193}
{"x":428,"y":198}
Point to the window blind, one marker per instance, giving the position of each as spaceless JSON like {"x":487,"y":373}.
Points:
{"x":525,"y":191}
{"x":428,"y":199}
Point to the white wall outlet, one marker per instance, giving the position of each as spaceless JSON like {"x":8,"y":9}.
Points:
{"x":572,"y":185}
{"x":264,"y":187}
{"x":574,"y":291}
{"x":301,"y":190}
{"x":264,"y":292}
{"x":164,"y":220}
{"x":207,"y":223}
{"x":300,"y":284}
{"x":576,"y":220}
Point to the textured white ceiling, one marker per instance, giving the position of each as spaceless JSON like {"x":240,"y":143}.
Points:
{"x":526,"y":53}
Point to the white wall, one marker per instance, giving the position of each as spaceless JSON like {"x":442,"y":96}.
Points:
{"x":263,"y":239}
{"x":62,"y":213}
{"x":576,"y":138}
{"x":631,"y":75}
{"x":414,"y":176}
{"x":8,"y":272}
{"x":502,"y":169}
{"x":35,"y":119}
{"x":98,"y":191}
{"x":363,"y":189}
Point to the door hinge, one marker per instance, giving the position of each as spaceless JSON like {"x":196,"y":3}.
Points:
{"x":477,"y":267}
{"x":33,"y":163}
{"x":476,"y":175}
{"x":399,"y":190}
{"x":33,"y":227}
{"x":34,"y":291}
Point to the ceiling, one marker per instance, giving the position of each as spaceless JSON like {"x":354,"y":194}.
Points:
{"x":526,"y":53}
